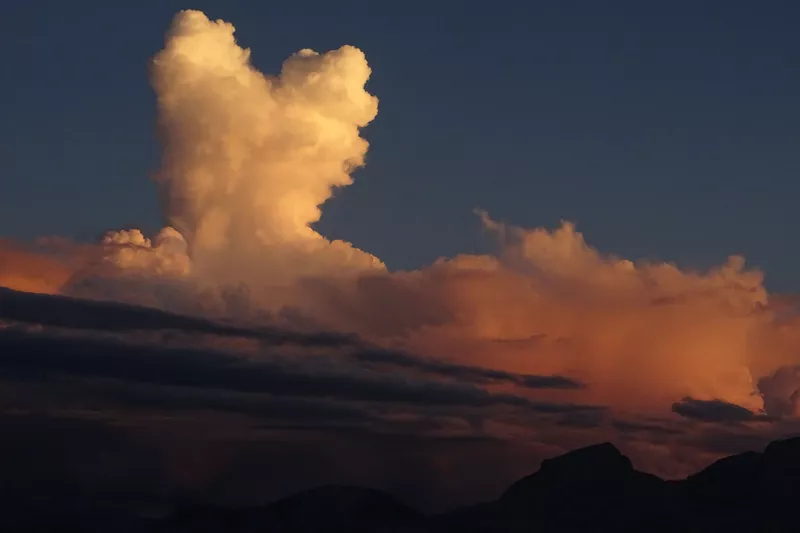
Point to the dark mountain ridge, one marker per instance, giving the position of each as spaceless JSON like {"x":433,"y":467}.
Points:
{"x":590,"y":489}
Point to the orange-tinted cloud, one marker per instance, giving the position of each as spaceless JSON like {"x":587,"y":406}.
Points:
{"x":25,"y":270}
{"x":642,"y":336}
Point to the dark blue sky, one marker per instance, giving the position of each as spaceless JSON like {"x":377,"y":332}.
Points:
{"x":664,"y":129}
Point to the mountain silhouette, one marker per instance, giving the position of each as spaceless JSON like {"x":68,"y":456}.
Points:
{"x":590,"y":489}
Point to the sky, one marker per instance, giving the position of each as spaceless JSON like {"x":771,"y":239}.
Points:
{"x":244,"y":251}
{"x":664,"y":131}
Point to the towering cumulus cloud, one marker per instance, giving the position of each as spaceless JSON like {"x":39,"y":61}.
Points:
{"x":248,"y":159}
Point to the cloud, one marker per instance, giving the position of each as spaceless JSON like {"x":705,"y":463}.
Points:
{"x":242,"y":181}
{"x":639,"y":335}
{"x":469,"y":373}
{"x":28,"y":356}
{"x":634,"y":427}
{"x":714,"y":411}
{"x":165,"y":255}
{"x":75,"y":313}
{"x":24,"y":269}
{"x":152,"y":393}
{"x":781,"y":391}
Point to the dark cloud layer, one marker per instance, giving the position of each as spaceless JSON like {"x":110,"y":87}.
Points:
{"x":155,"y":383}
{"x":66,"y":312}
{"x":98,"y":366}
{"x":170,"y":392}
{"x":27,"y":356}
{"x":479,"y":375}
{"x":714,"y":411}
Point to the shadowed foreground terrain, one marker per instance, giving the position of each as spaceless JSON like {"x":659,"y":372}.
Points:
{"x":590,"y":489}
